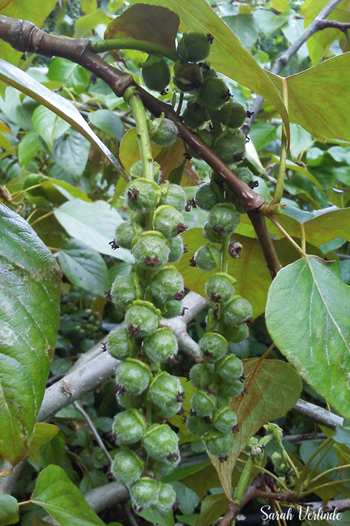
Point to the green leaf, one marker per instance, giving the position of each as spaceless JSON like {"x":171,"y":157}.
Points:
{"x":269,"y":22}
{"x":180,"y":473}
{"x":29,"y":284}
{"x":342,"y":435}
{"x":188,"y":499}
{"x":262,"y":134}
{"x":280,"y":5}
{"x":307,"y":316}
{"x":8,"y":510}
{"x":294,"y":167}
{"x":84,"y":25}
{"x":28,"y":147}
{"x":92,"y":223}
{"x":93,"y":479}
{"x":68,"y":73}
{"x":56,"y":190}
{"x":84,"y":267}
{"x":244,"y":27}
{"x":71,"y":151}
{"x":43,"y":434}
{"x":88,"y":6}
{"x":108,"y":122}
{"x":48,"y":125}
{"x":62,"y":499}
{"x":213,"y":507}
{"x":300,"y":140}
{"x":158,"y":517}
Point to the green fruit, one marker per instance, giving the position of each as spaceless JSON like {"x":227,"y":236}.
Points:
{"x":219,"y":288}
{"x":231,"y":388}
{"x":211,"y":235}
{"x":213,"y":93}
{"x":142,"y":319}
{"x":151,"y":251}
{"x":144,"y":493}
{"x":195,"y":115}
{"x":166,"y":133}
{"x":171,"y":309}
{"x":237,"y":311}
{"x":167,"y":411}
{"x":223,"y":218}
{"x":160,"y":467}
{"x":124,"y":234}
{"x":142,"y":195}
{"x":203,"y":403}
{"x":208,"y":257}
{"x":231,"y":148}
{"x":165,"y":390}
{"x":118,"y":343}
{"x":136,"y":171}
{"x":130,"y":401}
{"x":213,"y":347}
{"x":219,"y":444}
{"x":133,"y":376}
{"x":167,"y":285}
{"x":232,"y":114}
{"x":229,"y":367}
{"x":156,"y":73}
{"x":166,"y":498}
{"x":176,"y":249}
{"x":193,"y":47}
{"x":196,"y":425}
{"x":168,"y":221}
{"x":33,"y":180}
{"x":129,"y":426}
{"x":160,"y":346}
{"x":161,"y":443}
{"x":244,"y":174}
{"x":235,"y":333}
{"x":224,"y":420}
{"x":127,"y":467}
{"x":124,"y":291}
{"x":207,"y":195}
{"x":201,"y":375}
{"x":187,"y":77}
{"x":173,"y":195}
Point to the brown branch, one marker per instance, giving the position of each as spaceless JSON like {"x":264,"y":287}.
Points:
{"x":324,"y":24}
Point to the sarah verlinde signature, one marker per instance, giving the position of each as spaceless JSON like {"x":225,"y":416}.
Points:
{"x":304,"y":514}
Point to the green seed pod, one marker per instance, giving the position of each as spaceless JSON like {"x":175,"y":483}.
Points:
{"x":136,"y":171}
{"x":237,"y":311}
{"x":211,"y":235}
{"x":196,"y":425}
{"x":213,"y":93}
{"x":208,"y":257}
{"x":167,"y":411}
{"x":166,"y":133}
{"x":224,"y":420}
{"x":223,"y":401}
{"x":213,"y":346}
{"x":130,"y":401}
{"x":156,"y":73}
{"x":124,"y":234}
{"x":33,"y":180}
{"x":203,"y":403}
{"x":142,"y":319}
{"x":219,"y":444}
{"x":176,"y":249}
{"x":195,"y":115}
{"x":244,"y":174}
{"x":231,"y":147}
{"x":119,"y":344}
{"x":219,"y":288}
{"x":208,"y":137}
{"x":166,"y":498}
{"x":201,"y":375}
{"x":168,"y":221}
{"x":127,"y":467}
{"x":231,"y":388}
{"x":133,"y":376}
{"x":167,"y":285}
{"x":151,"y":251}
{"x":171,"y":309}
{"x":232,"y":114}
{"x":193,"y":47}
{"x":223,"y":218}
{"x":125,"y":290}
{"x":144,"y":493}
{"x":142,"y":195}
{"x":187,"y":77}
{"x":161,"y":442}
{"x":173,"y":195}
{"x":160,"y":346}
{"x":229,"y":367}
{"x":129,"y":426}
{"x":164,"y":390}
{"x":235,"y":333}
{"x":207,"y":196}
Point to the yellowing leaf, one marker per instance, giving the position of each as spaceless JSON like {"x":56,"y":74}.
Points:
{"x":43,"y":434}
{"x":129,"y":151}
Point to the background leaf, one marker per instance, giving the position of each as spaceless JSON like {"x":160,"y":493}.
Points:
{"x":48,"y":125}
{"x":108,"y":122}
{"x":71,"y":151}
{"x":68,"y":73}
{"x":8,"y":510}
{"x":43,"y":434}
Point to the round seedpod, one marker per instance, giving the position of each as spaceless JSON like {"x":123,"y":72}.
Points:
{"x":219,"y":444}
{"x":213,"y":346}
{"x":136,"y":170}
{"x":144,"y":493}
{"x":142,"y":319}
{"x":33,"y":180}
{"x":207,"y":196}
{"x":187,"y":77}
{"x":160,"y":346}
{"x":161,"y":442}
{"x":231,"y":147}
{"x":164,"y":390}
{"x":125,"y":290}
{"x":129,"y":426}
{"x":166,"y":133}
{"x":208,"y":137}
{"x":232,"y":114}
{"x":167,"y":285}
{"x":224,"y":419}
{"x":119,"y":344}
{"x":168,"y":221}
{"x":231,"y":388}
{"x":167,"y":411}
{"x":159,"y":468}
{"x":176,"y":249}
{"x":208,"y":257}
{"x":127,"y":467}
{"x":130,"y":401}
{"x":156,"y":73}
{"x":151,"y":251}
{"x":219,"y":288}
{"x":171,"y":309}
{"x":133,"y":376}
{"x":173,"y":195}
{"x":142,"y":195}
{"x":237,"y":311}
{"x":124,"y":234}
{"x":223,"y":218}
{"x":244,"y":174}
{"x":213,"y":93}
{"x":203,"y":403}
{"x":229,"y":367}
{"x":235,"y":333}
{"x":196,"y":425}
{"x":195,"y":115}
{"x":214,"y":236}
{"x":166,"y":497}
{"x":193,"y":47}
{"x":222,"y":401}
{"x":201,"y":375}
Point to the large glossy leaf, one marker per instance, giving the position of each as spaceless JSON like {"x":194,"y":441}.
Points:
{"x":68,"y":73}
{"x":71,"y":152}
{"x":29,"y":309}
{"x":54,"y":102}
{"x":48,"y":125}
{"x":43,"y":434}
{"x":308,"y":317}
{"x":8,"y":510}
{"x":273,"y":387}
{"x":62,"y":499}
